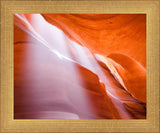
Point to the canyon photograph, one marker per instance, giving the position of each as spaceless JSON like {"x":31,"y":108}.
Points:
{"x":80,"y":66}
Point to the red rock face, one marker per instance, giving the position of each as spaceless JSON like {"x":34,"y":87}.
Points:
{"x":79,"y":66}
{"x":106,"y":34}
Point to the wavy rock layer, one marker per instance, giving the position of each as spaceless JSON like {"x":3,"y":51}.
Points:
{"x":92,"y":67}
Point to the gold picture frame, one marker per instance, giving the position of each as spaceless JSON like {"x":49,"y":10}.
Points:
{"x":149,"y":7}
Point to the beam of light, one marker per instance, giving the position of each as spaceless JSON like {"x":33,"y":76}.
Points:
{"x":58,"y":45}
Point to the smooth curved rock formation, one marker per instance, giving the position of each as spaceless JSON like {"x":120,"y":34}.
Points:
{"x":106,"y":33}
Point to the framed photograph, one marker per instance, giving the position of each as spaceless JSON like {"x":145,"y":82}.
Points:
{"x":79,"y":66}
